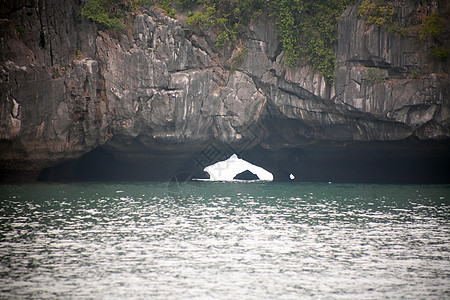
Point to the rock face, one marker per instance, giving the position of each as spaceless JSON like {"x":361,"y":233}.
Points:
{"x":153,"y":98}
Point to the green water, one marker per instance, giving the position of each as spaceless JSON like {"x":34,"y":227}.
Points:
{"x":208,"y":240}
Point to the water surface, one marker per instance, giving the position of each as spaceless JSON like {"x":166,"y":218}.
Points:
{"x":224,"y":241}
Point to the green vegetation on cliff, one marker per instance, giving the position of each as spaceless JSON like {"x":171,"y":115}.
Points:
{"x":383,"y":13}
{"x":307,"y":28}
{"x":100,"y":12}
{"x":432,"y":25}
{"x":229,"y":17}
{"x":308,"y":31}
{"x":112,"y":14}
{"x":377,"y":12}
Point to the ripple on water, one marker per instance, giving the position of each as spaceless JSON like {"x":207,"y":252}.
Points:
{"x":224,"y":240}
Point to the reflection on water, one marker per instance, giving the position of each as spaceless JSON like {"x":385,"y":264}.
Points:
{"x":224,"y":240}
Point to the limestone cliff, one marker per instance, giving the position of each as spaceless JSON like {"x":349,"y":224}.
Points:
{"x":161,"y":93}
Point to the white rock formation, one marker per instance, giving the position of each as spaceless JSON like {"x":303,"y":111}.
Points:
{"x":226,"y":170}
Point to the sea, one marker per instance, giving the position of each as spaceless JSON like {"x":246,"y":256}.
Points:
{"x":224,"y":240}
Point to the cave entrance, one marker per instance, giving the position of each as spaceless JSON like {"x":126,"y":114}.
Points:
{"x":102,"y":164}
{"x":246,"y":175}
{"x":393,"y":162}
{"x":407,"y":161}
{"x":96,"y":165}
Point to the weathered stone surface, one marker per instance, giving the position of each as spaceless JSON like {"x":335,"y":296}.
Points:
{"x":161,"y":92}
{"x":416,"y":88}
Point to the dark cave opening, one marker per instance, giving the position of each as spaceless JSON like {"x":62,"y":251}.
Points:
{"x":393,"y":162}
{"x":369,"y":162}
{"x":246,"y":175}
{"x":102,"y":164}
{"x":96,"y":165}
